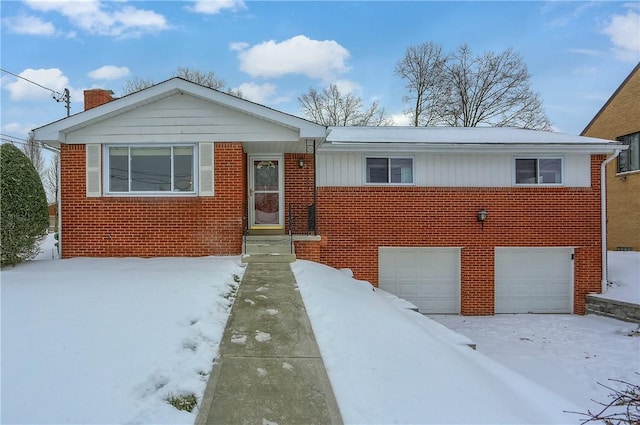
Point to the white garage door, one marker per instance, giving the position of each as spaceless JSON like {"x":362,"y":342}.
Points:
{"x":534,"y":280}
{"x":427,"y":277}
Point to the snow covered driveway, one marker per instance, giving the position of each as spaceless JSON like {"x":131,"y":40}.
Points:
{"x":565,"y":353}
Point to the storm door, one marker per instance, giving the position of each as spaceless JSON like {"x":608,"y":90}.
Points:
{"x":266,"y":203}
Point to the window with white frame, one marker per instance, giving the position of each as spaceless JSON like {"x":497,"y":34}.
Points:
{"x":150,"y":169}
{"x":389,"y":170}
{"x":629,"y":159}
{"x":538,"y":171}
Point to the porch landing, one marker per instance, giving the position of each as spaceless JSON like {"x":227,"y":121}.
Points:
{"x":268,"y":249}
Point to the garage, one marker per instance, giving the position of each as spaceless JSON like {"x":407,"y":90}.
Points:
{"x":534,"y":280}
{"x":427,"y":277}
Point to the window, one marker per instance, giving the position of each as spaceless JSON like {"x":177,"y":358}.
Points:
{"x":538,"y":171}
{"x":629,"y":160}
{"x":382,"y":170}
{"x":150,"y":169}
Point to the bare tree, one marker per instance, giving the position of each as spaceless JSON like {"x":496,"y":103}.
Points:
{"x":491,"y":89}
{"x":423,"y":69}
{"x":331,"y":107}
{"x":50,"y":179}
{"x":207,"y":79}
{"x":136,"y":84}
{"x":33,"y":150}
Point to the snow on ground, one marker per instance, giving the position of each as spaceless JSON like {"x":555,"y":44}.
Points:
{"x":623,"y":269}
{"x":391,"y":365}
{"x":108,"y":340}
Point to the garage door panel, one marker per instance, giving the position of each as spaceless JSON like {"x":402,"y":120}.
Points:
{"x":533,"y":280}
{"x":427,"y":277}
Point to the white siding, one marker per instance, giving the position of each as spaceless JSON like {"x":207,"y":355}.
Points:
{"x":93,"y":161}
{"x":180,"y":119}
{"x":449,"y":170}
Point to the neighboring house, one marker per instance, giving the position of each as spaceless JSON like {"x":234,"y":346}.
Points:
{"x":619,"y":119}
{"x":179,"y":169}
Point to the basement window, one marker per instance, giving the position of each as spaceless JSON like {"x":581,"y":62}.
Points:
{"x":538,"y":171}
{"x":388,"y":170}
{"x":150,"y":169}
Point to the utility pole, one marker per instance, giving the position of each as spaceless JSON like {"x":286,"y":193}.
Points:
{"x":64,"y":97}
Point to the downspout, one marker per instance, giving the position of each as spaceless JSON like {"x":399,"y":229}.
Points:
{"x":603,"y":215}
{"x":59,"y":206}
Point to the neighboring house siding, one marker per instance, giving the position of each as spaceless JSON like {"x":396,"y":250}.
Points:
{"x":449,"y":170}
{"x":113,"y":226}
{"x":619,"y":117}
{"x":355,"y":221}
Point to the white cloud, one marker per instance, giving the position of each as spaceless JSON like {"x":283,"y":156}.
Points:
{"x":401,"y":119}
{"x":348,"y":86}
{"x":211,"y":7}
{"x":52,"y":78}
{"x":322,"y":60}
{"x":586,"y":52}
{"x":624,"y":33}
{"x":109,"y":72}
{"x":18,"y":128}
{"x":30,"y":25}
{"x":102,"y":18}
{"x":259,"y":93}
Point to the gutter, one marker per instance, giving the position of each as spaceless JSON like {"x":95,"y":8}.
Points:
{"x":603,"y":216}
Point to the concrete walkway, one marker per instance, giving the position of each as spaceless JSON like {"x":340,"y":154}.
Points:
{"x":269,"y":369}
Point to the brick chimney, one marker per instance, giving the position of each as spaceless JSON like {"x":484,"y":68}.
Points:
{"x":96,"y":97}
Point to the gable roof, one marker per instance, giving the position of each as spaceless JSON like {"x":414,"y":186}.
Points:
{"x":467,"y":138}
{"x":56,"y":131}
{"x":613,"y":96}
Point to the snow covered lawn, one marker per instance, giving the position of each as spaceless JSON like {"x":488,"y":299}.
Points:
{"x":108,"y":340}
{"x":387,"y":367}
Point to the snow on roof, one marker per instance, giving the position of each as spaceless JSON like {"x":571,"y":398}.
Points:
{"x":455,"y":135}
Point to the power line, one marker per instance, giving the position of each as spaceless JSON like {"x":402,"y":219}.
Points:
{"x":32,"y":82}
{"x":58,"y":97}
{"x":24,"y":142}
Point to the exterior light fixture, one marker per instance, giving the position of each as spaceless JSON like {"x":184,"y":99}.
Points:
{"x":301,"y":163}
{"x":482,"y":216}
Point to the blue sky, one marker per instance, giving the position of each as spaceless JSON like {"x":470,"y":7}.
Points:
{"x":577,"y":52}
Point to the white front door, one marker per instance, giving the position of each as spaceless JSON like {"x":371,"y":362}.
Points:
{"x":266,"y":200}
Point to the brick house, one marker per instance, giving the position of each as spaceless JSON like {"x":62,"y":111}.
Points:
{"x":458,"y":220}
{"x":619,"y":119}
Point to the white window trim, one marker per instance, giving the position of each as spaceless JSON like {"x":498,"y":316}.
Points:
{"x":105,"y":171}
{"x":389,"y":157}
{"x":538,"y":157}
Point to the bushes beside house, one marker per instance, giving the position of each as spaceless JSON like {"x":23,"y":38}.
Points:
{"x":25,"y":216}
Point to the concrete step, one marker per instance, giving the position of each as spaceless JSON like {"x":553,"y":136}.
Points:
{"x":275,"y":244}
{"x":268,"y":258}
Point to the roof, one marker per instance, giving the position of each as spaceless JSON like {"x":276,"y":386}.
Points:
{"x":414,"y":138}
{"x":55,"y":131}
{"x":613,"y":96}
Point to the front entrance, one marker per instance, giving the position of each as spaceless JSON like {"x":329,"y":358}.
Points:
{"x":266,"y":200}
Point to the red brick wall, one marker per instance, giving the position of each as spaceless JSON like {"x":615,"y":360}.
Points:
{"x":153,"y":226}
{"x":357,"y":220}
{"x":298,"y":189}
